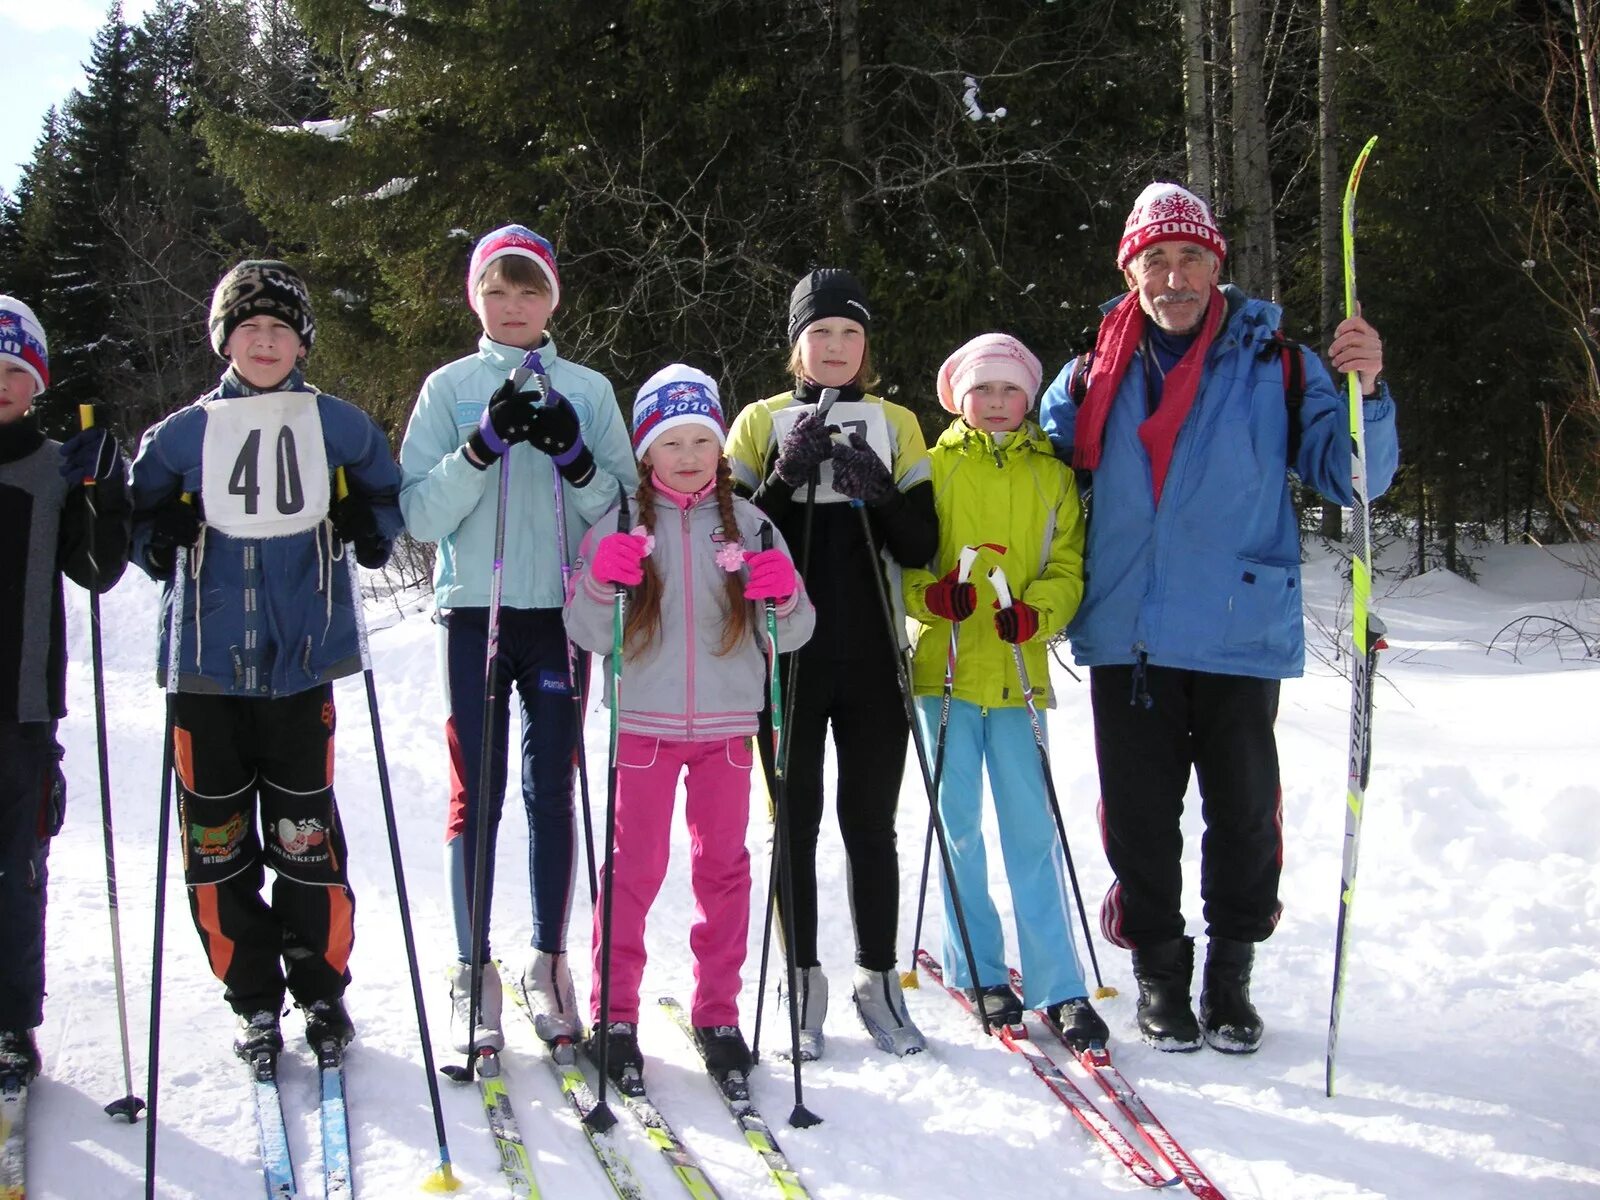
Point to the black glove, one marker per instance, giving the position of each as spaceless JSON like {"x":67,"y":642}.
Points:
{"x":90,"y":454}
{"x":507,"y":419}
{"x":355,"y":522}
{"x":556,"y":433}
{"x":172,"y":525}
{"x":859,"y":473}
{"x":551,"y":428}
{"x":804,"y":448}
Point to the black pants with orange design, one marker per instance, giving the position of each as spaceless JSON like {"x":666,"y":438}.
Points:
{"x":255,"y":789}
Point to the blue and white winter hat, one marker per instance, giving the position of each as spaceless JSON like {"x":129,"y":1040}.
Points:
{"x":22,"y":340}
{"x":676,"y":395}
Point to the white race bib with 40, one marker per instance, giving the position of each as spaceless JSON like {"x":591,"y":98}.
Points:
{"x":264,"y":465}
{"x":844,"y":418}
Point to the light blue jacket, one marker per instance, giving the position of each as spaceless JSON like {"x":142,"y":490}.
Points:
{"x":1210,"y":580}
{"x":447,"y":500}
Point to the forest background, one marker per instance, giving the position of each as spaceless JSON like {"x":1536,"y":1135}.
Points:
{"x":971,"y":162}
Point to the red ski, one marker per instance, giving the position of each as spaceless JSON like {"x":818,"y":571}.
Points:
{"x":1015,"y":1038}
{"x":1097,"y":1061}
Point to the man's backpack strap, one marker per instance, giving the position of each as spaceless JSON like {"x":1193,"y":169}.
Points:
{"x":1294,"y":387}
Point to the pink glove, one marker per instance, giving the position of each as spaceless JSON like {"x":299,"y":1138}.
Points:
{"x":619,"y":558}
{"x":772,"y":576}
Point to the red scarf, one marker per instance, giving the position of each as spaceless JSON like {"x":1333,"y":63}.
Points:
{"x":1120,"y":334}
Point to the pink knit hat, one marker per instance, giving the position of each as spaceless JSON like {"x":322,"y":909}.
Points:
{"x":988,"y":358}
{"x":1165,"y":212}
{"x":513,"y":239}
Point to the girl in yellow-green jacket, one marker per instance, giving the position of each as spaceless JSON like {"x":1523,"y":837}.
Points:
{"x":999,"y":488}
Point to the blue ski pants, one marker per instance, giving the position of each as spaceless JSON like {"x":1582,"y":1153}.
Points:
{"x":533,"y":659}
{"x":1041,"y":900}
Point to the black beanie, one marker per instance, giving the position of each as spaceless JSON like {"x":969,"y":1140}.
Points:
{"x":826,"y":292}
{"x":261,"y":288}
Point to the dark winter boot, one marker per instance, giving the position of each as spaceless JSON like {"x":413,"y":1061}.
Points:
{"x":327,"y":1021}
{"x":19,"y":1055}
{"x":1230,"y":1021}
{"x":1077,"y":1023}
{"x":997,"y":1002}
{"x":727,"y":1057}
{"x":1163,"y":971}
{"x":624,"y":1063}
{"x":258,"y":1034}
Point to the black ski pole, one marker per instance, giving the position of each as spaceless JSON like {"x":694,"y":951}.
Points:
{"x":180,"y":566}
{"x":129,"y":1106}
{"x":780,"y":770}
{"x":1002,"y":589}
{"x":601,"y":1117}
{"x":969,"y":555}
{"x":903,"y":677}
{"x":442,"y":1179}
{"x":800,"y":1116}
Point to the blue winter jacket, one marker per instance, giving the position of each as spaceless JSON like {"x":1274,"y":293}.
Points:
{"x":1210,"y":579}
{"x":274,"y":614}
{"x":447,"y":500}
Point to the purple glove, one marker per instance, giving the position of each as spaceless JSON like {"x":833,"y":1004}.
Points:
{"x":772,"y":576}
{"x":619,"y":558}
{"x":859,"y":473}
{"x":805,"y":447}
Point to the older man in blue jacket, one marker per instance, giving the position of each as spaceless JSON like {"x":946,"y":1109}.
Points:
{"x":1191,"y":612}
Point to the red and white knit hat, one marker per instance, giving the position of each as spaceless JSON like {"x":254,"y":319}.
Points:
{"x":513,"y":239}
{"x":1165,"y":212}
{"x":22,"y":340}
{"x":988,"y":358}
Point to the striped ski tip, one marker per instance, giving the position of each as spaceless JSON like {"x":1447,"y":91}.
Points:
{"x":443,"y":1179}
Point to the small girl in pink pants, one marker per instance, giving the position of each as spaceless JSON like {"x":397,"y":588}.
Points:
{"x":693,"y":681}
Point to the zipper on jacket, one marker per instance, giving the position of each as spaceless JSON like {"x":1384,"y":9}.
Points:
{"x":688,"y":623}
{"x":1140,"y":697}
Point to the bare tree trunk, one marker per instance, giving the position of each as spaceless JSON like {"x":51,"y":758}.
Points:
{"x":1254,"y":258}
{"x":850,"y":115}
{"x":1588,"y":49}
{"x":1196,"y":120}
{"x":1331,"y":525}
{"x":1221,"y":131}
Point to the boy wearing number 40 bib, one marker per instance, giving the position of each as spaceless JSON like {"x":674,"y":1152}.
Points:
{"x":241,"y":479}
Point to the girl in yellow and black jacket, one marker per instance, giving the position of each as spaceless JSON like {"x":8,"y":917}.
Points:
{"x":870,"y":452}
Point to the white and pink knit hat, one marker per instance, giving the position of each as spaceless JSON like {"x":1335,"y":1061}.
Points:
{"x":988,"y":358}
{"x":1165,"y":212}
{"x":518,"y":240}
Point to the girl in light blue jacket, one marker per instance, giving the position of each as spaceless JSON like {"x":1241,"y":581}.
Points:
{"x":469,"y":417}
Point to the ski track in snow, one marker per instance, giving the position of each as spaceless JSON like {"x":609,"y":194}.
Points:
{"x":1470,"y":1045}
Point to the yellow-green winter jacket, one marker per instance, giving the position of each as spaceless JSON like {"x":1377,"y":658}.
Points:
{"x":1019,"y":505}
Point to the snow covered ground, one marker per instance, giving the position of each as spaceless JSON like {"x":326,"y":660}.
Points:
{"x":1470,"y":1053}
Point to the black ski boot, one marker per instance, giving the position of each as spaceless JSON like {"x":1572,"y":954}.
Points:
{"x":624,"y":1063}
{"x":997,"y":1002}
{"x":727,"y":1058}
{"x":258,"y":1034}
{"x":327,"y":1021}
{"x":1077,"y":1023}
{"x":1230,"y":1021}
{"x":19,"y":1056}
{"x":1163,"y":971}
